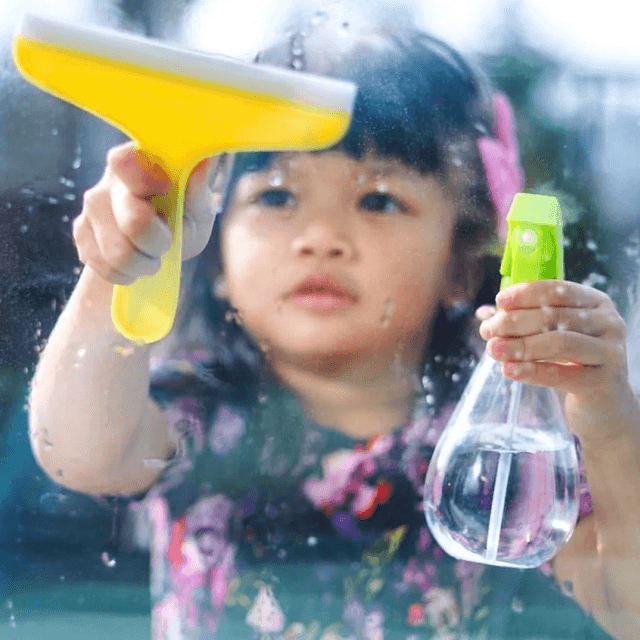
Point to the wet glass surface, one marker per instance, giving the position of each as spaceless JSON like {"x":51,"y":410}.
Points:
{"x":70,"y":564}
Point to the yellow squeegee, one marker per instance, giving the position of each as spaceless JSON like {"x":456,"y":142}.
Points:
{"x":180,"y":106}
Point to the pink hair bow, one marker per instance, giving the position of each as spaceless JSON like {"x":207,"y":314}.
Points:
{"x":501,"y":159}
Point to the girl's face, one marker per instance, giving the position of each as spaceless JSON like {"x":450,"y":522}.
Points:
{"x":331,"y":261}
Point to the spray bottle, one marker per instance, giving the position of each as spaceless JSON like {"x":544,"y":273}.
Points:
{"x":502,"y":485}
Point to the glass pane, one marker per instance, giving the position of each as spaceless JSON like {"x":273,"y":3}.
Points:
{"x":301,"y":516}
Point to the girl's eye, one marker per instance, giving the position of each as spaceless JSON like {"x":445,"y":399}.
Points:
{"x":278,"y":198}
{"x":381,"y":203}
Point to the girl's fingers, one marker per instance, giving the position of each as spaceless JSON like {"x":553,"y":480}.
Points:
{"x":563,"y":377}
{"x":139,"y":222}
{"x":89,"y":254}
{"x":200,"y":176}
{"x":485,"y":312}
{"x":550,"y":293}
{"x":117,"y":251}
{"x":137,"y":170}
{"x":525,"y":322}
{"x":199,"y":210}
{"x":557,"y":346}
{"x":106,"y":243}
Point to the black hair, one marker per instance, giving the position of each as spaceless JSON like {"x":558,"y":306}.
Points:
{"x":419,"y":102}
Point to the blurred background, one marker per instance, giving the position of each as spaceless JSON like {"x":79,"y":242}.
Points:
{"x":573,"y":76}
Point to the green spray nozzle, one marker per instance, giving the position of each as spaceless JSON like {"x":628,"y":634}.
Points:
{"x":534,"y":249}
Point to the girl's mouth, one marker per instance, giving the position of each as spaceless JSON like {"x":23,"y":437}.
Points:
{"x":321,"y":293}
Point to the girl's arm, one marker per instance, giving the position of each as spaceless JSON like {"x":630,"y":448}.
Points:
{"x":600,"y":566}
{"x":92,"y":423}
{"x":93,"y":426}
{"x":571,"y":337}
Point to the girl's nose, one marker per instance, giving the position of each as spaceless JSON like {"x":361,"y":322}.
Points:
{"x":321,"y":240}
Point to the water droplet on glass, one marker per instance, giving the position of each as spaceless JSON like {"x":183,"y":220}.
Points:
{"x":62,"y":578}
{"x":387,"y":314}
{"x":430,"y":399}
{"x":65,"y":218}
{"x":297,"y":64}
{"x":124,"y":351}
{"x":82,"y":352}
{"x":382,"y":187}
{"x":561,"y":289}
{"x":277,"y":179}
{"x":69,"y":196}
{"x":592,"y":245}
{"x":361,"y":179}
{"x":344,"y":29}
{"x":312,"y":541}
{"x":53,"y":502}
{"x":528,"y":237}
{"x":107,"y":560}
{"x":154,"y":463}
{"x":54,"y":131}
{"x":12,"y":621}
{"x":282,"y":554}
{"x":562,"y":326}
{"x":517,"y":605}
{"x":593,"y":279}
{"x":76,"y":163}
{"x":318,"y":18}
{"x":455,"y":377}
{"x":24,"y":228}
{"x":262,"y":397}
{"x":52,"y":200}
{"x":9,"y":604}
{"x":27,"y":192}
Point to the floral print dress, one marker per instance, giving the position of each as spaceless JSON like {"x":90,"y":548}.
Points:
{"x":267,"y":526}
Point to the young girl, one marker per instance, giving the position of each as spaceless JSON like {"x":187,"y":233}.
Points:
{"x":322,"y":342}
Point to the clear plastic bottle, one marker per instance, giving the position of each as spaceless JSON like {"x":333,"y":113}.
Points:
{"x":502,"y":487}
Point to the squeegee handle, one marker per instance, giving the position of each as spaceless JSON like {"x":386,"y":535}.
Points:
{"x":144,"y":311}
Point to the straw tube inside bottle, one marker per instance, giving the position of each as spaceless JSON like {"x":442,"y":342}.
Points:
{"x":502,"y":477}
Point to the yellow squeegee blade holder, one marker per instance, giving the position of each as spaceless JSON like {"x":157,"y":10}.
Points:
{"x":180,"y":106}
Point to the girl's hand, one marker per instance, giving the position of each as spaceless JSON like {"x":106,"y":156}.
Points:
{"x":120,"y":234}
{"x":567,"y":336}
